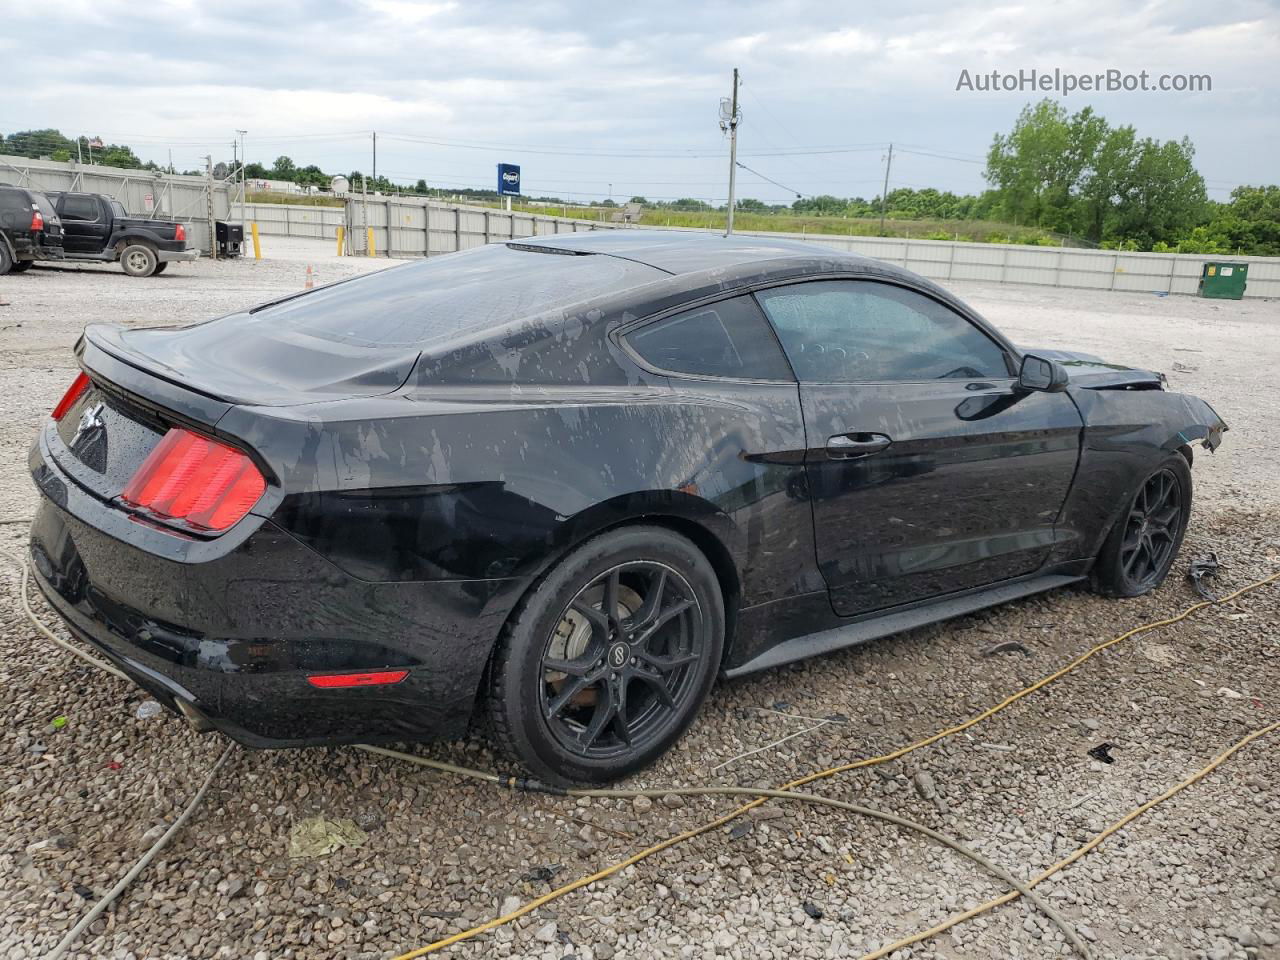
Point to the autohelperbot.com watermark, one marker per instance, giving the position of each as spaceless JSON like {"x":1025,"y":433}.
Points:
{"x":1065,"y":82}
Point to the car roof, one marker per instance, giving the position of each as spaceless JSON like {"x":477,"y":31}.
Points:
{"x":679,"y":252}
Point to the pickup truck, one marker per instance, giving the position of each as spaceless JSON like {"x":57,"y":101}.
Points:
{"x":97,"y":228}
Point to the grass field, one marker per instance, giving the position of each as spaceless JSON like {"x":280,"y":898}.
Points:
{"x":980,"y":231}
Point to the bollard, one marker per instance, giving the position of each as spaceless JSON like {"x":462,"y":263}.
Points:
{"x":310,"y":282}
{"x":368,"y":244}
{"x":341,"y":236}
{"x":257,"y":247}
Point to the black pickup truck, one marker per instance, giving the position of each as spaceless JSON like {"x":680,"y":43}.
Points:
{"x":97,"y":228}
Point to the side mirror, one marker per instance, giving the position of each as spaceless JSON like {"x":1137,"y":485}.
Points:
{"x":1037,"y":373}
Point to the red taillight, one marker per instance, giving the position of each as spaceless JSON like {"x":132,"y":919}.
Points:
{"x":37,"y":220}
{"x":328,"y":681}
{"x":205,"y":484}
{"x":74,"y":392}
{"x":180,"y":234}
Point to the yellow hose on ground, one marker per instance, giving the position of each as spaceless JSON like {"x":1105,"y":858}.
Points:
{"x":1078,"y":852}
{"x":832,"y":771}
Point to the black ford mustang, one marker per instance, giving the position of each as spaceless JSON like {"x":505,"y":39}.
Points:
{"x":573,"y":479}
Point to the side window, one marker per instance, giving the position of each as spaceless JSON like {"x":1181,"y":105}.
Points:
{"x":844,"y":331}
{"x":726,"y":339}
{"x":79,"y":208}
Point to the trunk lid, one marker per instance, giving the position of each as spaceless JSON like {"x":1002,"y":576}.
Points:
{"x":243,"y":359}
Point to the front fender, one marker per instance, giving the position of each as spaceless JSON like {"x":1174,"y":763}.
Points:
{"x":1126,"y":433}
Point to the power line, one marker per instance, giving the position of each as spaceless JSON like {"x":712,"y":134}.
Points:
{"x":770,"y":179}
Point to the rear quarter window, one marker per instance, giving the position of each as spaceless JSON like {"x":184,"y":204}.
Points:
{"x":730,"y":338}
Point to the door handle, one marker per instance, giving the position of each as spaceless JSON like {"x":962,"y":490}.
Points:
{"x":847,"y":446}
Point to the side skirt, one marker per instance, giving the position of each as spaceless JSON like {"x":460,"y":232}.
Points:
{"x":851,"y":634}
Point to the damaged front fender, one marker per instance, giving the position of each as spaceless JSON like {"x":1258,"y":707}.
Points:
{"x":1126,"y":435}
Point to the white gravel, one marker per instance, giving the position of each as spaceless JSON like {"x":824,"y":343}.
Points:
{"x":1196,"y":878}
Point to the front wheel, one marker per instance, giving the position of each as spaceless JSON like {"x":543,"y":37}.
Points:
{"x":21,"y":266}
{"x":139,"y":260}
{"x":6,"y":261}
{"x":1145,"y":541}
{"x":604,"y":665}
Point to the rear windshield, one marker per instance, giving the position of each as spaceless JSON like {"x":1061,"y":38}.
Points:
{"x":46,"y":208}
{"x":433,"y":300}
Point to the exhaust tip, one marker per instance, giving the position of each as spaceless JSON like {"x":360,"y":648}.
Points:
{"x":195,"y":719}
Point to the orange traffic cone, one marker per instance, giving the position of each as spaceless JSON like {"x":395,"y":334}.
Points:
{"x":310,"y":278}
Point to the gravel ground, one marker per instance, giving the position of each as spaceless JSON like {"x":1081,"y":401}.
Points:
{"x":1197,"y":877}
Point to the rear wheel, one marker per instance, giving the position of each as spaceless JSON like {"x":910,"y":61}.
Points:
{"x":607,"y":661}
{"x":6,"y":261}
{"x":21,"y":266}
{"x":1145,"y":541}
{"x":139,"y":260}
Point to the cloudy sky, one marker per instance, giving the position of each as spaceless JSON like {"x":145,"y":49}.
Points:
{"x":590,"y":97}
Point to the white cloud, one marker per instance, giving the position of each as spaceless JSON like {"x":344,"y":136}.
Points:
{"x":602,"y":78}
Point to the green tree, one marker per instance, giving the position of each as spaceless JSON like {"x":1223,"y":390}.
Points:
{"x":1075,"y":173}
{"x":116,"y":155}
{"x":284,"y":169}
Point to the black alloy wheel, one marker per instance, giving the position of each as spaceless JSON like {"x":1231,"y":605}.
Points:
{"x":618,"y":668}
{"x":1152,"y":529}
{"x":606,"y":661}
{"x":1145,"y":540}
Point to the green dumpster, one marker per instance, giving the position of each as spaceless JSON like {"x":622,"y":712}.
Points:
{"x":1224,"y":281}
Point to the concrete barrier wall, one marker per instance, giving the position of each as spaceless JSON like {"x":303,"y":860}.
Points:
{"x":415,"y":227}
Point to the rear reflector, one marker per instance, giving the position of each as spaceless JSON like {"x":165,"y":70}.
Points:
{"x":37,"y":221}
{"x":74,"y":392}
{"x":180,"y":234}
{"x":378,"y":678}
{"x":201,"y":483}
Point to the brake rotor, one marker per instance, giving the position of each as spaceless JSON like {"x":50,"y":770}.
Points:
{"x":573,"y":634}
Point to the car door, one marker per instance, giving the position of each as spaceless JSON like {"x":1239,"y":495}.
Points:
{"x":929,"y":471}
{"x":84,"y":223}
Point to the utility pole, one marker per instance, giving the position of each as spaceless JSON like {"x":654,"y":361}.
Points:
{"x":884,"y":194}
{"x":208,"y":186}
{"x":375,"y":159}
{"x":729,"y":117}
{"x":244,"y":159}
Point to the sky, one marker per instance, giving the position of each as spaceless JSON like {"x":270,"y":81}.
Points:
{"x":599,"y":99}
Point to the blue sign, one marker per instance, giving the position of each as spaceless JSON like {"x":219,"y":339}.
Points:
{"x":508,"y":180}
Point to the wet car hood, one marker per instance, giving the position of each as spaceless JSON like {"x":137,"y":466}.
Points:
{"x":1094,"y":373}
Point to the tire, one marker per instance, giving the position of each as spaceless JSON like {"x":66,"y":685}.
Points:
{"x":21,"y":266}
{"x":657,"y":656}
{"x":1145,"y":541}
{"x":6,"y":261}
{"x":139,"y":260}
{"x":161,"y":267}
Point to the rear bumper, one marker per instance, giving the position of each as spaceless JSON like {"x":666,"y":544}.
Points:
{"x":26,"y":248}
{"x":236,"y":636}
{"x":165,"y":256}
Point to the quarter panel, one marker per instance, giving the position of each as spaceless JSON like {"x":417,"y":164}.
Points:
{"x":466,"y":487}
